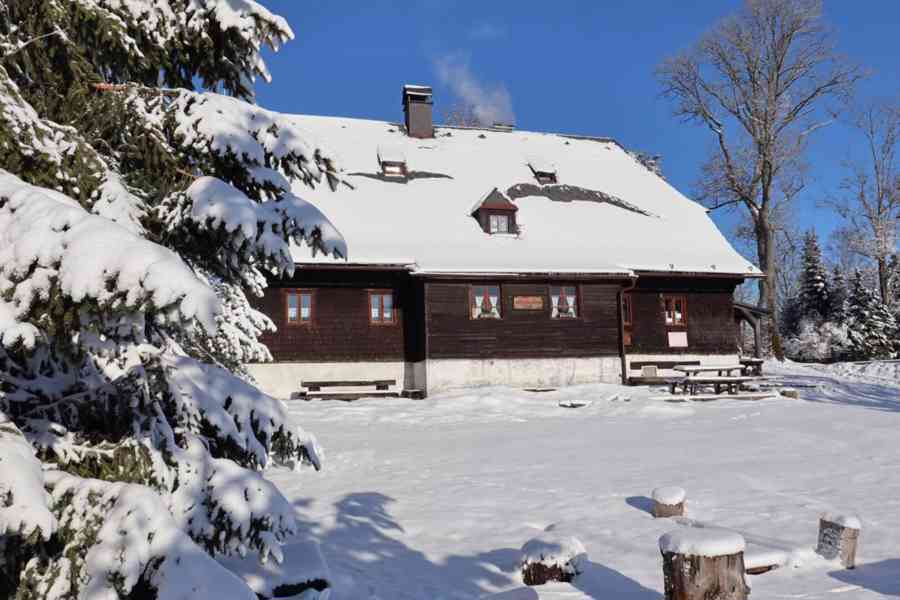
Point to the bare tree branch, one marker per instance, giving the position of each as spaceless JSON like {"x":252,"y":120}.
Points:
{"x":759,"y":81}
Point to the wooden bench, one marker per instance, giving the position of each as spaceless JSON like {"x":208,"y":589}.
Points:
{"x":313,"y":389}
{"x":689,"y":385}
{"x":659,"y":364}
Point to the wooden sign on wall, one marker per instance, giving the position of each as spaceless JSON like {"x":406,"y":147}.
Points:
{"x":528,"y":302}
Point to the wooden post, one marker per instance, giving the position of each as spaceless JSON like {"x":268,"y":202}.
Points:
{"x":838,"y":538}
{"x":668,"y":501}
{"x":703,"y":563}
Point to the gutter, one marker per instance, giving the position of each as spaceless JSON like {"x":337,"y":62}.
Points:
{"x":620,"y":296}
{"x":700,"y":274}
{"x":561,"y":275}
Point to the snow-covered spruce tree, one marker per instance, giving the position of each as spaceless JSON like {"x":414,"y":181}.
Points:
{"x":136,"y":214}
{"x":814,"y":292}
{"x":871,"y":326}
{"x":838,"y":295}
{"x":790,"y":318}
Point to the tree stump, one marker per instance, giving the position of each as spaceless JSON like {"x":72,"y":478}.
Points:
{"x":668,"y":501}
{"x":703,"y":563}
{"x":551,"y":558}
{"x":838,"y":538}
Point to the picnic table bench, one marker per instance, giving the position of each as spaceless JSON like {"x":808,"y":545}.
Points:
{"x":691,"y":384}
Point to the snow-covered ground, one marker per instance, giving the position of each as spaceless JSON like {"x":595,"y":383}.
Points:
{"x":434,"y":499}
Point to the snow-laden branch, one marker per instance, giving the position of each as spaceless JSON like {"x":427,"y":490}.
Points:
{"x":24,"y":503}
{"x":19,"y":47}
{"x":131,"y":539}
{"x":49,"y":244}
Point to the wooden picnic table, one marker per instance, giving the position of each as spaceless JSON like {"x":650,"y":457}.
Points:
{"x":721,"y":370}
{"x":752,"y":366}
{"x":690,"y":385}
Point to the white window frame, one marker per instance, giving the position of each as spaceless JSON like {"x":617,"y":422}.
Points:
{"x":563,"y":290}
{"x":476,"y":300}
{"x":496,"y":220}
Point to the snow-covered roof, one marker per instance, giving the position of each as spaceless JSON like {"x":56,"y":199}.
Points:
{"x":391,"y":154}
{"x":606,"y":215}
{"x":539,"y":164}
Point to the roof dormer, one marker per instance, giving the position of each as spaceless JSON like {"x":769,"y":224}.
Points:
{"x":544,"y":170}
{"x":495,"y":213}
{"x":392,"y":162}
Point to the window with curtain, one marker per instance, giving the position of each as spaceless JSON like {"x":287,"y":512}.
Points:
{"x":485,"y":302}
{"x":675,"y":311}
{"x":381,"y":307}
{"x":563,"y":301}
{"x":499,"y":223}
{"x":299,"y":307}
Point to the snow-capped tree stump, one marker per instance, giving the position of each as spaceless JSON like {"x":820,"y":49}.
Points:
{"x":551,"y":559}
{"x":838,"y":538}
{"x":703,"y":563}
{"x":668,"y":501}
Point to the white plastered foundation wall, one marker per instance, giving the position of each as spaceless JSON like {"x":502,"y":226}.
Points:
{"x":282,"y":380}
{"x":705,"y":359}
{"x":451,"y":373}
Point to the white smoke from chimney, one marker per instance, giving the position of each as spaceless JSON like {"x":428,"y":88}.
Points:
{"x":489,"y":103}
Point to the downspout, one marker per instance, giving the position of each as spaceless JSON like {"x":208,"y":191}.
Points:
{"x":621,"y":298}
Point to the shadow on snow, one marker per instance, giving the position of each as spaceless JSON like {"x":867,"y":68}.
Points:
{"x":642,"y":503}
{"x":882,"y":577}
{"x":365,"y":554}
{"x":834,"y":390}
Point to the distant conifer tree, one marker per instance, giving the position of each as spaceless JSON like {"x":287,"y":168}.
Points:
{"x":815,"y":304}
{"x":871,"y":326}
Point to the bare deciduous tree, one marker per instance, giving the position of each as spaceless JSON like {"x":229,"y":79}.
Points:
{"x":760,"y":81}
{"x":871,"y":201}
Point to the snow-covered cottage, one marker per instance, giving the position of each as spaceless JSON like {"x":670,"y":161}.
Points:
{"x":495,"y":256}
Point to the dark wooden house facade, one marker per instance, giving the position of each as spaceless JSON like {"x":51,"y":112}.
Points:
{"x":490,"y":256}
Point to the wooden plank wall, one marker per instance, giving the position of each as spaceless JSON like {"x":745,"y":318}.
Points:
{"x":520,"y":333}
{"x":710,"y":316}
{"x":340,"y":329}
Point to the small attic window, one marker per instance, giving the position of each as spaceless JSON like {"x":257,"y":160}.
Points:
{"x":544,"y":170}
{"x":499,"y":223}
{"x":495,"y":213}
{"x":392,"y":162}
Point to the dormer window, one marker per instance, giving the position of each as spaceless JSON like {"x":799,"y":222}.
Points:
{"x":392,"y":162}
{"x":496,"y":214}
{"x":499,"y":223}
{"x":544,"y":171}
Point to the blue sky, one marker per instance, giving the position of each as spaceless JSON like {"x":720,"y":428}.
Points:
{"x":577,"y":67}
